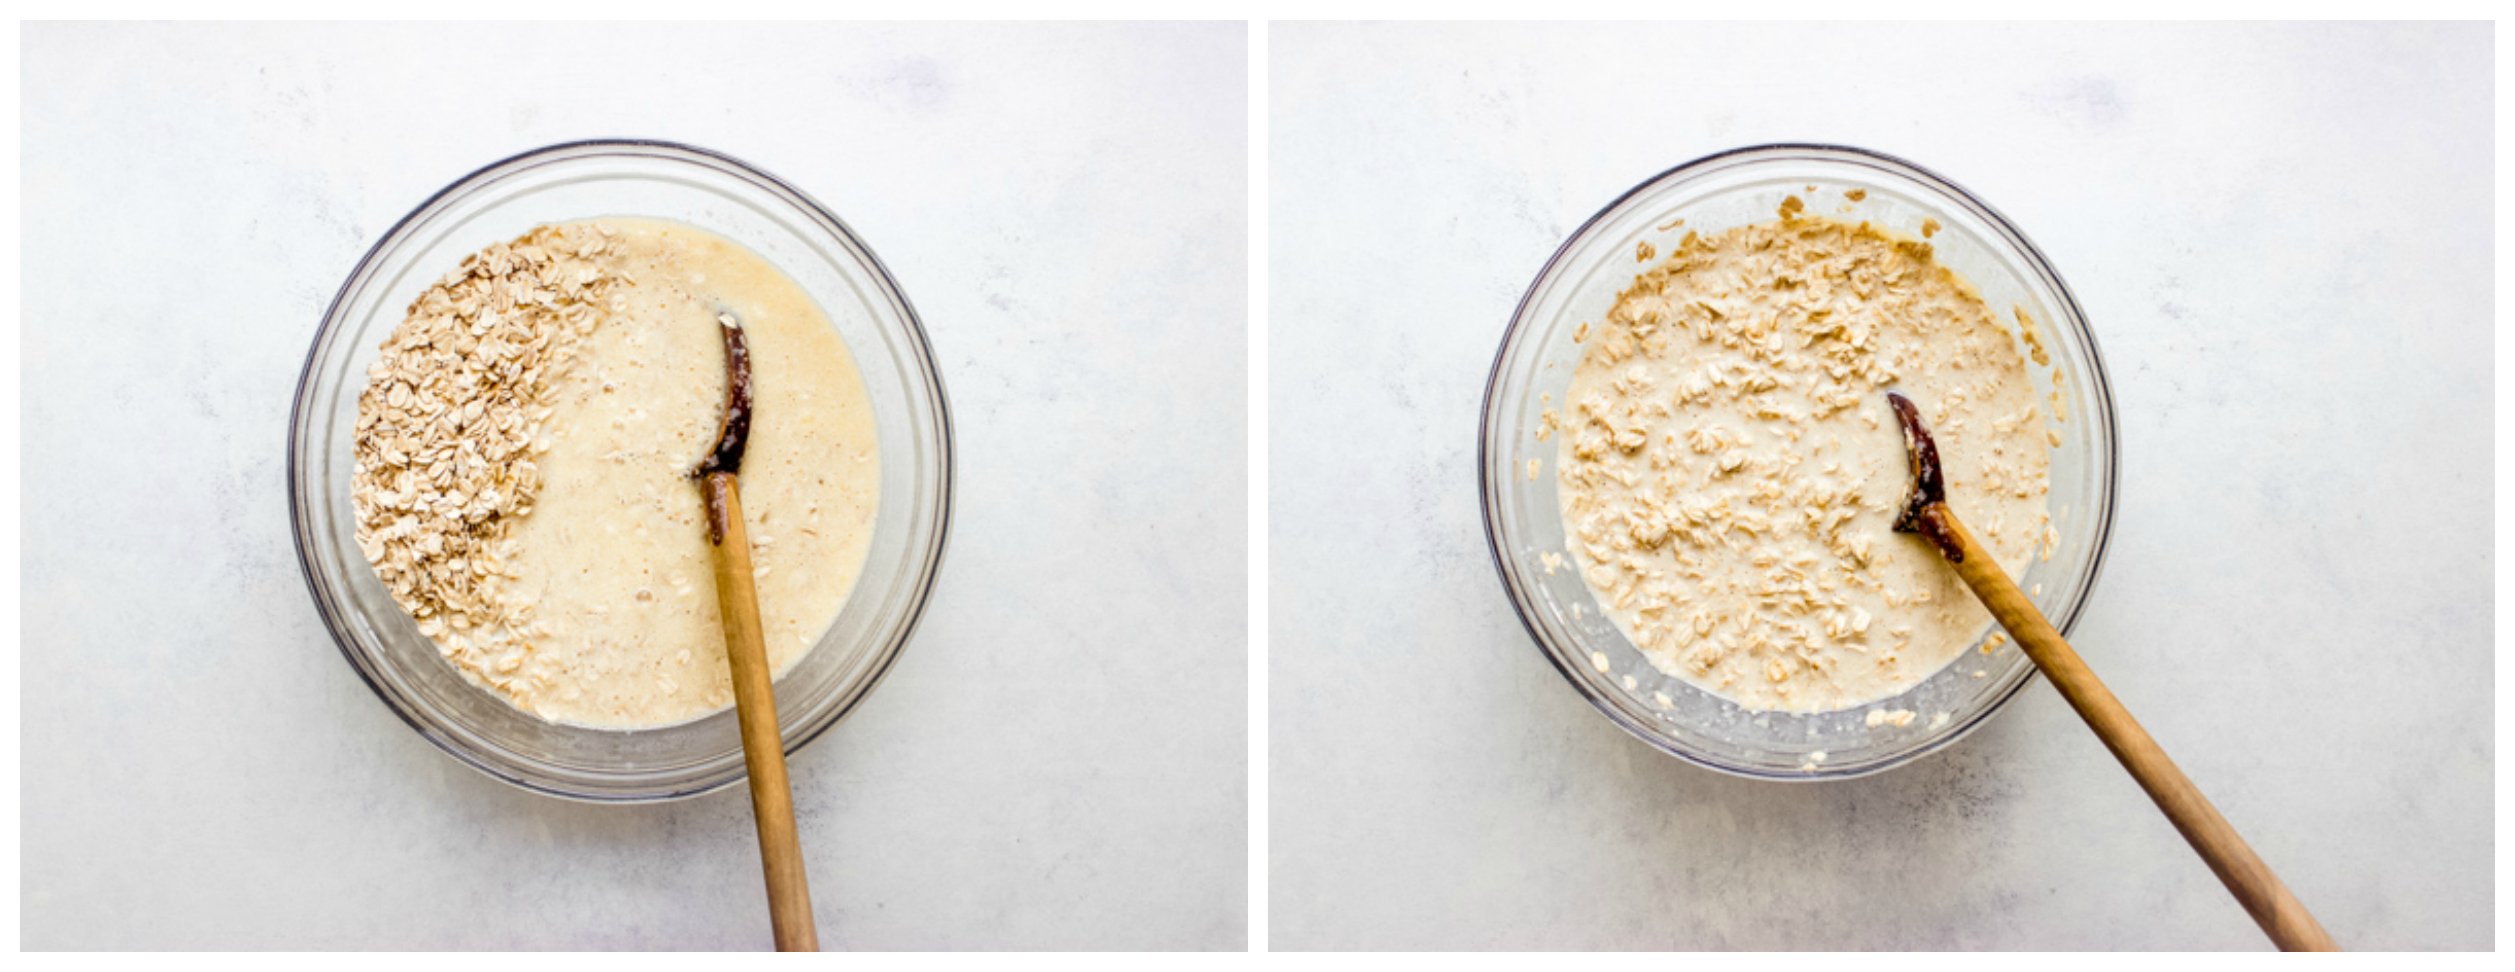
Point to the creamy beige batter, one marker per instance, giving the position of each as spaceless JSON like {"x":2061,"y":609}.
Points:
{"x":1730,"y":472}
{"x":601,"y":601}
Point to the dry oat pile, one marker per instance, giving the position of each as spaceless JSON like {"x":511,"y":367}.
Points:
{"x":1729,"y":473}
{"x":448,"y":426}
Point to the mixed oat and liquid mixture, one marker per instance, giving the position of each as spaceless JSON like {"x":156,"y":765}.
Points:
{"x":1730,"y":473}
{"x":524,"y":449}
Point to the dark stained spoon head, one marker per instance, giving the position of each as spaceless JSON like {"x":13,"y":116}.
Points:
{"x":716,"y":472}
{"x":731,"y":436}
{"x":1926,"y":505}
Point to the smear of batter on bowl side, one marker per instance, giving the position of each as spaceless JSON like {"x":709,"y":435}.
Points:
{"x":523,"y":456}
{"x":1729,"y":475}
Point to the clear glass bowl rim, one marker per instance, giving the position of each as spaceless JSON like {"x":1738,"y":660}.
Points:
{"x":2073,"y":317}
{"x":653,"y":149}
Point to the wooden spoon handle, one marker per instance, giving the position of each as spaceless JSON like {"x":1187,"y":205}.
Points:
{"x":755,"y":707}
{"x":2277,"y":911}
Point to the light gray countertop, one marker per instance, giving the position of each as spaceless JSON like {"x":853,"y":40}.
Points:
{"x":1059,"y":757}
{"x":2282,"y":238}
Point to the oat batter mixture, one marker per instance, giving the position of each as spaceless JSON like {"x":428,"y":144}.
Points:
{"x":1730,"y":473}
{"x":524,"y":451}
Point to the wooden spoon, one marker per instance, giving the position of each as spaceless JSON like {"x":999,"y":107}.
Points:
{"x":2287,"y":922}
{"x":755,"y":706}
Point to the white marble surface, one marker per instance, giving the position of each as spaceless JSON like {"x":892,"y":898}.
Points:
{"x":1058,"y":760}
{"x":2282,"y":236}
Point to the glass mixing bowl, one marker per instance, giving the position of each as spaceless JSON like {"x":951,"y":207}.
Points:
{"x":623,"y":178}
{"x":1523,"y":521}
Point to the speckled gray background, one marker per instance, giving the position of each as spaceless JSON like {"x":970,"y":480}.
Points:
{"x":1058,"y":760}
{"x":2282,"y":237}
